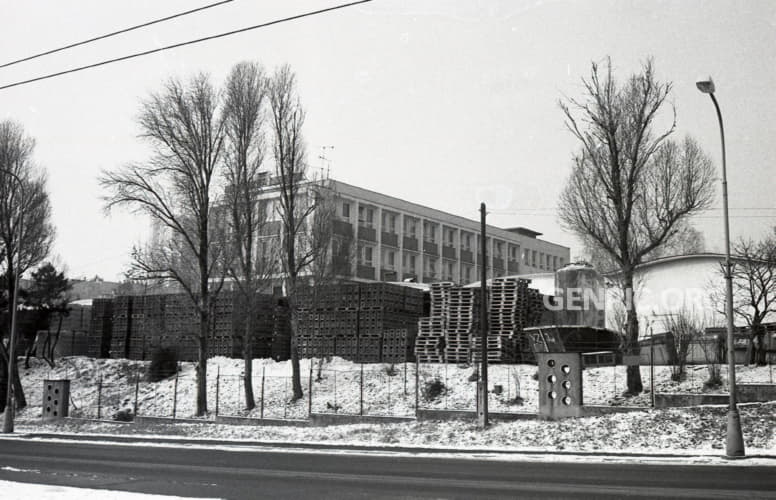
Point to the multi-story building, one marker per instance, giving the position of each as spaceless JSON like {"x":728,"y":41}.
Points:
{"x":397,"y":240}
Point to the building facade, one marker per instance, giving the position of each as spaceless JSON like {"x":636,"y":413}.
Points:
{"x":397,"y":240}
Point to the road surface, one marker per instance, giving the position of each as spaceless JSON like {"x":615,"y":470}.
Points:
{"x":194,"y":471}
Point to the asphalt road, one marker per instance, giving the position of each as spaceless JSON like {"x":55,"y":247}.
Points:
{"x":257,"y":473}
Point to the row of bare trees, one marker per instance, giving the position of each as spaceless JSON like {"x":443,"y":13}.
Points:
{"x":26,"y":231}
{"x":206,"y":187}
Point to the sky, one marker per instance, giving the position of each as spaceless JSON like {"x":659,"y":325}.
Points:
{"x":447,"y":104}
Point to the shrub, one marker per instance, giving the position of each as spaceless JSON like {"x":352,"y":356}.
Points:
{"x":164,"y":363}
{"x":433,"y":389}
{"x":124,"y":415}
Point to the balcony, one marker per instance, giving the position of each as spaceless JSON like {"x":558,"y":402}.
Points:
{"x":430,"y":248}
{"x":367,"y":233}
{"x":449,"y":252}
{"x":341,"y":266}
{"x":410,"y":243}
{"x":390,"y":239}
{"x":498,"y":263}
{"x":388,"y":275}
{"x":342,"y":228}
{"x":467,"y":256}
{"x":365,"y":271}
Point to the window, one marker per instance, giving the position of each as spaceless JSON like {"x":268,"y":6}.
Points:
{"x":345,"y":210}
{"x":526,"y":256}
{"x":389,"y":259}
{"x":408,"y":262}
{"x":366,"y":216}
{"x":554,"y":262}
{"x":410,"y":227}
{"x":533,"y":258}
{"x":449,"y":236}
{"x":429,"y":231}
{"x":561,"y":261}
{"x":368,"y":256}
{"x":466,"y":241}
{"x":498,"y":250}
{"x":449,"y":271}
{"x":514,"y":253}
{"x":389,"y":222}
{"x":467,"y":274}
{"x":430,"y":266}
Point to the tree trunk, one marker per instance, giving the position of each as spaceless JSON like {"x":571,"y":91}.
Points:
{"x":204,"y":318}
{"x":296,"y":379}
{"x":632,"y":335}
{"x":18,"y":390}
{"x":250,"y":401}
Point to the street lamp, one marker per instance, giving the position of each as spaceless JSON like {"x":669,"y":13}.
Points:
{"x":9,"y":396}
{"x":735,"y":440}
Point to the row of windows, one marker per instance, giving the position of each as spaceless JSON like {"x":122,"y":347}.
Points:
{"x":468,"y":241}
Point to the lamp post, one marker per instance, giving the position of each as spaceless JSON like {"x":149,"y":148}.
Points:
{"x":735,"y":440}
{"x":9,"y":396}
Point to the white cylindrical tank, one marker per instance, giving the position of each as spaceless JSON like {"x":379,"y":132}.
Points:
{"x":580,"y":290}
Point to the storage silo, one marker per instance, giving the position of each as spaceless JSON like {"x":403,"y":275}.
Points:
{"x":581,"y":294}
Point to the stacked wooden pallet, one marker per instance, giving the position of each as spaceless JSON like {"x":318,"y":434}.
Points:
{"x":463,"y":309}
{"x":430,"y":342}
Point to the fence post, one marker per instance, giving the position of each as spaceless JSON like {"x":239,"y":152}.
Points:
{"x":261,"y":409}
{"x":137,"y":389}
{"x":99,"y":398}
{"x":218,"y":388}
{"x":175,"y":395}
{"x":389,"y":393}
{"x":361,"y":394}
{"x":310,"y":391}
{"x":335,"y":391}
{"x":405,"y":377}
{"x":417,"y":386}
{"x":285,"y":399}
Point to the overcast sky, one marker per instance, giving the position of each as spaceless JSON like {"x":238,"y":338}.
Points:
{"x":441,"y":103}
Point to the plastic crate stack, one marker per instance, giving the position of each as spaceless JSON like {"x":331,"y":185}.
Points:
{"x":394,"y":349}
{"x":350,"y":319}
{"x":119,"y":342}
{"x":100,"y":328}
{"x":181,"y":326}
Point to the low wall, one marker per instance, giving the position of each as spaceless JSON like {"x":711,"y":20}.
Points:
{"x":223,"y":419}
{"x":428,"y":414}
{"x":169,"y":420}
{"x":745,"y":393}
{"x":340,"y":419}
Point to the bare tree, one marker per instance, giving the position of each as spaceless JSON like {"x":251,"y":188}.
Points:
{"x":176,"y":187}
{"x":25,"y":205}
{"x":685,"y":328}
{"x":630,"y":187}
{"x":298,"y":197}
{"x":754,"y":290}
{"x":251,"y":264}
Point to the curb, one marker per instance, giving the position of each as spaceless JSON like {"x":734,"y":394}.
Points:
{"x":357,"y":447}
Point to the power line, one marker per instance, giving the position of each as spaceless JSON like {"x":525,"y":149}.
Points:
{"x":182,"y":44}
{"x":114,"y":33}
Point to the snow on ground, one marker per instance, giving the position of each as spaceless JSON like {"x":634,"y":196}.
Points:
{"x":114,"y":384}
{"x":13,"y":490}
{"x":387,"y":392}
{"x":699,"y":430}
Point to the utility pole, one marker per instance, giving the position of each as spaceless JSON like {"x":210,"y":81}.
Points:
{"x":482,"y":386}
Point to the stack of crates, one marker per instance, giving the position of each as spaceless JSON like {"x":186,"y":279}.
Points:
{"x":100,"y":328}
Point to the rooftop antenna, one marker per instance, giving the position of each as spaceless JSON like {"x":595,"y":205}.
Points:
{"x":325,"y":160}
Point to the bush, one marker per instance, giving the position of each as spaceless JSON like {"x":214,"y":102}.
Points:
{"x":124,"y":415}
{"x":433,"y":389}
{"x":164,"y":364}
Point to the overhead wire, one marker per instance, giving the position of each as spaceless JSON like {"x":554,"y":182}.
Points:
{"x":114,"y":33}
{"x":183,"y":44}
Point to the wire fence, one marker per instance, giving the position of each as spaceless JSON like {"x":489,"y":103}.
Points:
{"x":399,"y":389}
